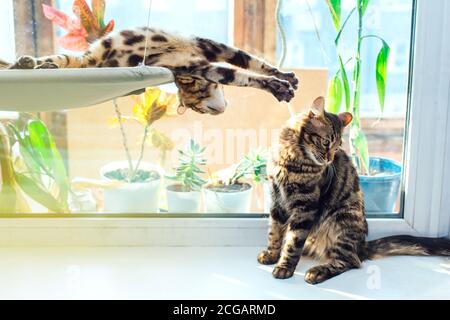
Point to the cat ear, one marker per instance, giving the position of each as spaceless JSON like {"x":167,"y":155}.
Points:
{"x":346,"y":118}
{"x":318,"y":108}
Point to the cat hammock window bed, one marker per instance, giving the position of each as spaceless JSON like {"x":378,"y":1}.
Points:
{"x":60,"y":89}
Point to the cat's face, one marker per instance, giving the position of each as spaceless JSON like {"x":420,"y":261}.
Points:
{"x":320,"y":133}
{"x":201,"y":95}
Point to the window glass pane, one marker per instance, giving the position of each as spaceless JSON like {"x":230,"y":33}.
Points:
{"x":311,"y":42}
{"x":96,"y":150}
{"x":7,"y":45}
{"x":389,"y":19}
{"x":188,"y":17}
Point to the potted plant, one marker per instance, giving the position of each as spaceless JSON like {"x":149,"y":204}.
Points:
{"x":255,"y":166}
{"x":142,"y":181}
{"x":379,"y":177}
{"x":185,"y":195}
{"x":227,"y":193}
{"x":38,"y":168}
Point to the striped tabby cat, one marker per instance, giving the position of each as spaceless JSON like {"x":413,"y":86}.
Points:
{"x":318,"y":207}
{"x":199,"y":80}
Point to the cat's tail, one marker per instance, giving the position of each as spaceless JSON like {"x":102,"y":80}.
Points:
{"x":407,"y":246}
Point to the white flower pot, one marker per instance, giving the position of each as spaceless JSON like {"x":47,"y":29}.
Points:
{"x":267,"y":196}
{"x":183,"y":202}
{"x":132,"y":197}
{"x":224,"y":202}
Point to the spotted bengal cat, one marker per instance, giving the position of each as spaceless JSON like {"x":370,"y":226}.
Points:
{"x":318,"y":207}
{"x":192,"y":61}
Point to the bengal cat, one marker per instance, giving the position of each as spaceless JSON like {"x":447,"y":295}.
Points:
{"x":192,"y":60}
{"x":318,"y":206}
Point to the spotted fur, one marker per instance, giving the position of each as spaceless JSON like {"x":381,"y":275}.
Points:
{"x":318,"y":206}
{"x":193,"y":62}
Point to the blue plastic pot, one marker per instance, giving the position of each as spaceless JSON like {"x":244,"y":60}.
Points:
{"x":381,"y":191}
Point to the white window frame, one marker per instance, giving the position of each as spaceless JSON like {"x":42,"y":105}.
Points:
{"x":427,"y":178}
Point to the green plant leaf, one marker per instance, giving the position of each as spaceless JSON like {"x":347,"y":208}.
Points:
{"x":335,"y":95}
{"x":381,"y":73}
{"x":362,"y":6}
{"x":45,"y":147}
{"x":338,"y":37}
{"x":335,"y":11}
{"x":345,"y":84}
{"x":186,"y":173}
{"x":38,"y":194}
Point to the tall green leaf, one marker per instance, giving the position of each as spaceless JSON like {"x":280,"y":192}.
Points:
{"x":362,"y":6}
{"x":381,"y":73}
{"x":345,"y":84}
{"x":39,"y":195}
{"x":335,"y":95}
{"x":45,"y":147}
{"x":27,"y":153}
{"x":335,"y":10}
{"x":338,"y":37}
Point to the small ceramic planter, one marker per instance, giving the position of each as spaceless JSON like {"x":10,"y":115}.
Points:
{"x":183,"y":202}
{"x":228,"y":202}
{"x":132,"y":197}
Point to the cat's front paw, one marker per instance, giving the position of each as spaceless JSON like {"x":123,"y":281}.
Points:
{"x":24,"y":62}
{"x":48,"y":65}
{"x":268,"y":258}
{"x":291,"y":78}
{"x":281,"y":89}
{"x":317,"y":275}
{"x":283,"y":272}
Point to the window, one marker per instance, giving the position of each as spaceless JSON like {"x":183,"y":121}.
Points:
{"x":205,"y":18}
{"x":311,"y":42}
{"x":92,"y":143}
{"x":7,"y":45}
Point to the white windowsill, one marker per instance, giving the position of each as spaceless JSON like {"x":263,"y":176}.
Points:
{"x":155,"y":232}
{"x":204,"y":273}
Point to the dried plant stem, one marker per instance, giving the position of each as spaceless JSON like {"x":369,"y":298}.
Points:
{"x":124,"y":139}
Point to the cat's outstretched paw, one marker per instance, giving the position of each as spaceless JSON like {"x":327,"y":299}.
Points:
{"x":48,"y":65}
{"x":24,"y":62}
{"x":283,"y":272}
{"x":281,"y":89}
{"x":317,"y":275}
{"x":290,"y":77}
{"x":268,"y":258}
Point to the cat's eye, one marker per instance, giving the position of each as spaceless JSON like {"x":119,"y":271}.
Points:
{"x":326,"y":143}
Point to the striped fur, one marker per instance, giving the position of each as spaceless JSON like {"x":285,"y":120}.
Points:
{"x":318,"y":207}
{"x":192,"y":60}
